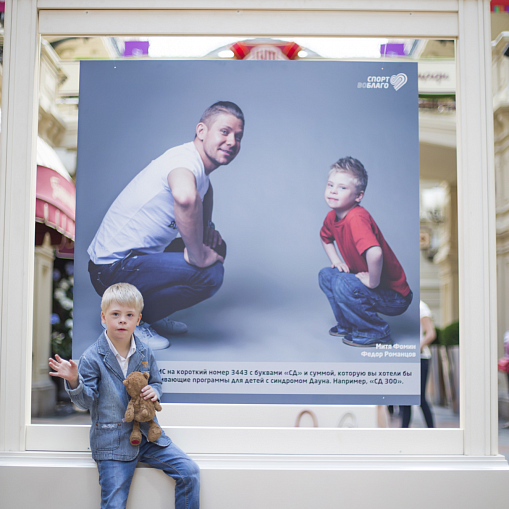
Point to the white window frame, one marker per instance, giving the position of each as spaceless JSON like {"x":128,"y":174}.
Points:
{"x":466,"y":21}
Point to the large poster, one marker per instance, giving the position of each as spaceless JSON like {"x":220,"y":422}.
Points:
{"x":270,"y":333}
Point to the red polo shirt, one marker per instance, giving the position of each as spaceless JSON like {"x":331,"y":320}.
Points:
{"x":356,"y":233}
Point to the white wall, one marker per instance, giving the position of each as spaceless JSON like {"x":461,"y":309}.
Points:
{"x":269,"y":484}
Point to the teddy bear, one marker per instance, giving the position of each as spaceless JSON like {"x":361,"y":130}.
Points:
{"x":139,"y":409}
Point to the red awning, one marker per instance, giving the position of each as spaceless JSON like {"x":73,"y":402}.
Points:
{"x":499,"y":5}
{"x":55,"y":210}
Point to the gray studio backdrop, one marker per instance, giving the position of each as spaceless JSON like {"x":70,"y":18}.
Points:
{"x":268,"y":205}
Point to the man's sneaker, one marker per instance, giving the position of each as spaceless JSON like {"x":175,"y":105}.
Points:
{"x":145,"y":333}
{"x":333,"y":331}
{"x":169,"y":327}
{"x":366,"y":342}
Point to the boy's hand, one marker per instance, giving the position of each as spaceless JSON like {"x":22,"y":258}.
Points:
{"x":148,"y":393}
{"x":65,"y":369}
{"x":364,"y":279}
{"x":342,"y":267}
{"x":211,"y":237}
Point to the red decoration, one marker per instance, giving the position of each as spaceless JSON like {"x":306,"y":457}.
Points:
{"x":240,"y":50}
{"x":291,"y":50}
{"x":265,"y":50}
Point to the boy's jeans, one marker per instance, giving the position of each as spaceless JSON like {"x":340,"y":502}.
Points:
{"x":166,"y":281}
{"x":115,"y":476}
{"x":355,"y":306}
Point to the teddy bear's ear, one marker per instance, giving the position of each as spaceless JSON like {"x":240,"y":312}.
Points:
{"x":146,"y":375}
{"x":125,"y":382}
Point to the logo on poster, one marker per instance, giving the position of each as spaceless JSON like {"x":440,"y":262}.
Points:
{"x":396,"y":80}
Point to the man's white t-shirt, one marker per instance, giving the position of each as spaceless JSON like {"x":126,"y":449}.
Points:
{"x":142,"y":217}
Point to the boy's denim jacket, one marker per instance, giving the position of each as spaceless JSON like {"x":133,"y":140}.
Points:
{"x":101,"y":391}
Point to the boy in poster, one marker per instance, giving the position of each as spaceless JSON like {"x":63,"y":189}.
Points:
{"x":370,"y":279}
{"x":171,"y":195}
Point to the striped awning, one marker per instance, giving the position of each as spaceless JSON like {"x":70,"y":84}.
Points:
{"x":55,"y":210}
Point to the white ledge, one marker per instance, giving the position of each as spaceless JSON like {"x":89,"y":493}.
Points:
{"x":278,"y":441}
{"x":48,"y":459}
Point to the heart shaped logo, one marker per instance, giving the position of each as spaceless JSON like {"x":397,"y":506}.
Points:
{"x":398,"y":80}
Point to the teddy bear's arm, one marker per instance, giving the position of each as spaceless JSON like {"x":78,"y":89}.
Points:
{"x":157,"y":406}
{"x":129,"y":413}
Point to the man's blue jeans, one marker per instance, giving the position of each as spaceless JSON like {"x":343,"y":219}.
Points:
{"x":166,"y":281}
{"x":115,"y":476}
{"x":355,"y":306}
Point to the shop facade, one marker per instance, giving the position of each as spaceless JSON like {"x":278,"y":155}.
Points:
{"x":263,"y":466}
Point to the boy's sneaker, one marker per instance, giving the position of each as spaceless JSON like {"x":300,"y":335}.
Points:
{"x":333,"y":331}
{"x":366,"y":342}
{"x":145,"y":333}
{"x":169,"y":327}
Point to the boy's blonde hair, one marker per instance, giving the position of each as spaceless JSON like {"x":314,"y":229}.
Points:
{"x":123,"y":293}
{"x":355,"y":168}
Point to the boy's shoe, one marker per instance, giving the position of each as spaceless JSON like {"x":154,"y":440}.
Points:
{"x":333,"y":331}
{"x":366,"y":342}
{"x":171,"y":327}
{"x":145,"y":333}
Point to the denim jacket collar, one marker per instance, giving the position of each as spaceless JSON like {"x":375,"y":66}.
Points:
{"x":135,"y":361}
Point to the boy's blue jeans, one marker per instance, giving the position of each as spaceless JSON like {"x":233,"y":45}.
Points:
{"x":115,"y":476}
{"x":355,"y":306}
{"x":166,"y":281}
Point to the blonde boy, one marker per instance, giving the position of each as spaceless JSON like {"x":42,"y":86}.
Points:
{"x":95,"y":384}
{"x":369,"y":279}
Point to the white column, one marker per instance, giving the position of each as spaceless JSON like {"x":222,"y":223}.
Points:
{"x":447,"y":258}
{"x":17,"y":217}
{"x":501,"y":125}
{"x":43,"y":388}
{"x":476,"y":227}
